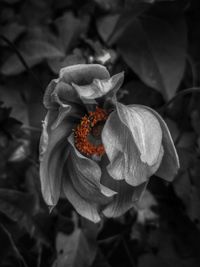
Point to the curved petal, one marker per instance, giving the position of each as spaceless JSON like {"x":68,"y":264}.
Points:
{"x":145,"y":129}
{"x":59,"y":94}
{"x":53,"y":154}
{"x":83,"y":207}
{"x":99,"y":87}
{"x":126,"y":195}
{"x":124,"y":200}
{"x":83,"y":74}
{"x":123,"y":154}
{"x":170,"y":162}
{"x":85,"y":176}
{"x":47,"y":95}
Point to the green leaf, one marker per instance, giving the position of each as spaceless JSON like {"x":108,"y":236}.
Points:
{"x":72,"y":250}
{"x":34,"y":52}
{"x":155,"y":49}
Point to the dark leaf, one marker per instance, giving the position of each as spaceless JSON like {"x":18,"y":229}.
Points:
{"x":12,"y":31}
{"x":7,"y":245}
{"x":100,"y":260}
{"x":20,"y":207}
{"x":17,"y":206}
{"x":69,"y":28}
{"x":34,"y":52}
{"x":72,"y":250}
{"x":106,"y":25}
{"x":145,"y":47}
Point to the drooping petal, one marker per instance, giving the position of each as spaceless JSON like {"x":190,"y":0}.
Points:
{"x":99,"y":87}
{"x":53,"y":154}
{"x":87,"y":209}
{"x":65,"y":94}
{"x":125,"y":197}
{"x":47,"y":95}
{"x":145,"y":129}
{"x":85,"y":176}
{"x":83,"y":74}
{"x":124,"y":200}
{"x":60,"y":94}
{"x":170,"y":162}
{"x":123,"y":154}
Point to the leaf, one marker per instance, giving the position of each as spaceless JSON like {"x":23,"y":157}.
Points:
{"x":135,"y":92}
{"x":188,"y":192}
{"x":71,"y":59}
{"x":146,"y":48}
{"x":125,"y":19}
{"x":12,"y":31}
{"x":106,"y":25}
{"x":72,"y":250}
{"x":69,"y":28}
{"x":20,"y":207}
{"x":7,"y":245}
{"x":17,"y":206}
{"x":12,"y":97}
{"x":34,"y":52}
{"x":11,"y":1}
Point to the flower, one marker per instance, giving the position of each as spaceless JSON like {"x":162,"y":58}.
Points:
{"x":97,"y":152}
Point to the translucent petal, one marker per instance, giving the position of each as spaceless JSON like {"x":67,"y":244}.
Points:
{"x":170,"y":162}
{"x":145,"y":129}
{"x":83,"y":74}
{"x":126,"y":195}
{"x":123,"y":154}
{"x":59,"y":94}
{"x":53,"y":154}
{"x":83,"y":207}
{"x":85,"y":175}
{"x":124,"y":200}
{"x":99,"y":88}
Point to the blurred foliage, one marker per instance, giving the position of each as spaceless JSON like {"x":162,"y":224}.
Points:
{"x":156,"y":42}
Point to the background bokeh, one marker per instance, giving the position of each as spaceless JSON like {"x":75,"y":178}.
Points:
{"x":157,"y":44}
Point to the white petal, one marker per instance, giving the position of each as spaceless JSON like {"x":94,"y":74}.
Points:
{"x":124,"y":200}
{"x":84,"y":208}
{"x":53,"y":154}
{"x":85,"y":174}
{"x":123,"y":154}
{"x":170,"y":162}
{"x":99,"y":87}
{"x":145,"y":129}
{"x":82,"y":74}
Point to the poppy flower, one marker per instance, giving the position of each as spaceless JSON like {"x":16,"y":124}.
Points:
{"x":95,"y":151}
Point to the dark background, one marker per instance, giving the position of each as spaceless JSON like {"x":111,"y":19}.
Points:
{"x":157,"y":44}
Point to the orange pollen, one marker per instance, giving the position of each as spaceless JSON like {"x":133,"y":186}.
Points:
{"x":90,"y":124}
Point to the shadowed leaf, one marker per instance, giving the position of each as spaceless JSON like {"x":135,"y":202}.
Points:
{"x":72,"y":250}
{"x":145,"y":47}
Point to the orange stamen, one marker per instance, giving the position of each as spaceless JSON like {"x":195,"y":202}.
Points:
{"x":83,"y":130}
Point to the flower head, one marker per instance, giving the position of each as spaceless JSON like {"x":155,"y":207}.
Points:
{"x":96,"y":151}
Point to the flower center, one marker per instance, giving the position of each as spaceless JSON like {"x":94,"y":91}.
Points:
{"x":87,"y":134}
